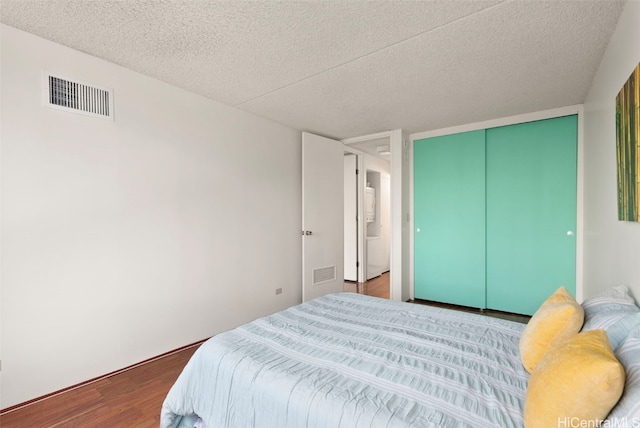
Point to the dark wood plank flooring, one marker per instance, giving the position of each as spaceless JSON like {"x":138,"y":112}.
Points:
{"x":487,"y":312}
{"x":133,"y":398}
{"x":378,"y":286}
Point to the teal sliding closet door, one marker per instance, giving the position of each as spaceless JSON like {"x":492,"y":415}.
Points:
{"x":449,"y":219}
{"x":531,"y":212}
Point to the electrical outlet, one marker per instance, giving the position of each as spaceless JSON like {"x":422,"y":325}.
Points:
{"x":278,"y":290}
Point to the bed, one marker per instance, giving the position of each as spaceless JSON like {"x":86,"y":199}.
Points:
{"x":349,"y":360}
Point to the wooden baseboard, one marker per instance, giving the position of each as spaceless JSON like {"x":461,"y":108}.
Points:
{"x":95,"y":379}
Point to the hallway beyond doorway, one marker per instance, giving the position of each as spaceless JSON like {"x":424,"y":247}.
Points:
{"x":377,"y":287}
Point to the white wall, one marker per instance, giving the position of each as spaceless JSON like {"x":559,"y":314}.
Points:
{"x":612,"y":247}
{"x":372,"y":163}
{"x":124,"y":239}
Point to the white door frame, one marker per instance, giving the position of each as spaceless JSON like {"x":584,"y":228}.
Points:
{"x":360,"y":195}
{"x":399,"y":289}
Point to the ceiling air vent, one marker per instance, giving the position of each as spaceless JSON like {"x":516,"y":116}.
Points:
{"x":78,"y":97}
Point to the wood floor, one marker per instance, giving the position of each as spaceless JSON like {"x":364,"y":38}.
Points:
{"x":134,"y":397}
{"x":378,"y":286}
{"x":129,"y":399}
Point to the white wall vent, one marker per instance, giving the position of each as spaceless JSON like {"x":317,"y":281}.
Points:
{"x":325,"y":274}
{"x":78,"y":97}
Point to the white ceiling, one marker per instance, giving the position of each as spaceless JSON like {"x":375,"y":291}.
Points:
{"x":373,"y":146}
{"x":346,"y":68}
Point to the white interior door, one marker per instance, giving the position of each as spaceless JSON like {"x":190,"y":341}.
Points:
{"x":322,"y":216}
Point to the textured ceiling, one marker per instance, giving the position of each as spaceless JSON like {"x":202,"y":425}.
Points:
{"x":346,"y":68}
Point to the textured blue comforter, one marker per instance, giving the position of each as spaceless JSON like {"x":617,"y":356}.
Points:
{"x":348,"y":360}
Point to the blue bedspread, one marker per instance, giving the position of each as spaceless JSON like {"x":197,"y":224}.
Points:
{"x":348,"y":360}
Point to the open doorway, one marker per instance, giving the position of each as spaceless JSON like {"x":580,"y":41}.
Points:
{"x":372,"y":157}
{"x":377,"y":222}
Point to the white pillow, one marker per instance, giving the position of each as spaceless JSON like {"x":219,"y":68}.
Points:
{"x":608,"y":307}
{"x":619,"y":331}
{"x":627,"y":411}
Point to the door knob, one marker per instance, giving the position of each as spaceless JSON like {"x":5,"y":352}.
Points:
{"x":569,"y":232}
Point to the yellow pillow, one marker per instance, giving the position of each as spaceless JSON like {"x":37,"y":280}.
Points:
{"x":576,"y":384}
{"x":556,"y":320}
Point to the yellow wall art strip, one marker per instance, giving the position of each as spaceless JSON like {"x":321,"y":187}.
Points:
{"x":628,"y":148}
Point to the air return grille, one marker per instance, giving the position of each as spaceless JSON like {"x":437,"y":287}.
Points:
{"x":78,"y":97}
{"x":325,"y":274}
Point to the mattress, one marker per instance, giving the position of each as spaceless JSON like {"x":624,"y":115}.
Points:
{"x":348,"y":360}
